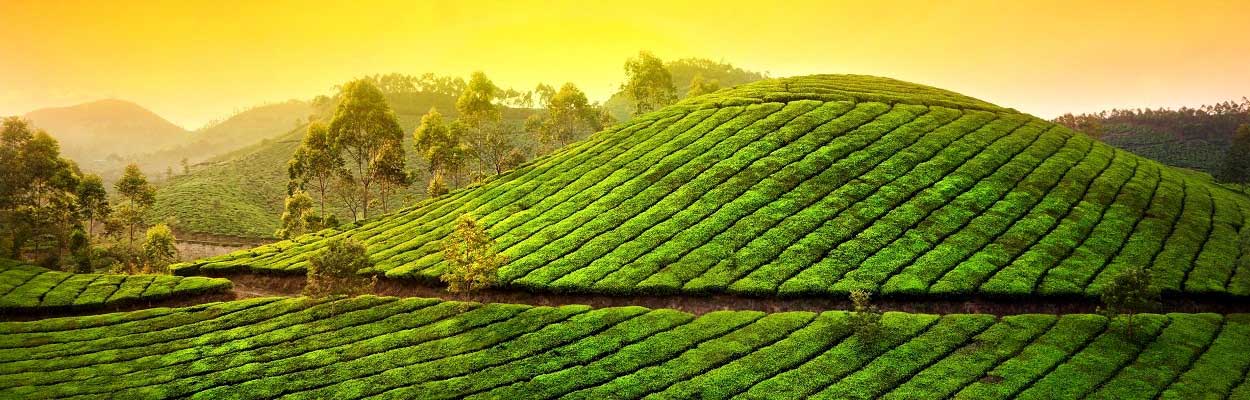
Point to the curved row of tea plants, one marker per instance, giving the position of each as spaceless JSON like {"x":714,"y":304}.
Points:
{"x":27,"y":287}
{"x":817,"y":186}
{"x":376,"y":347}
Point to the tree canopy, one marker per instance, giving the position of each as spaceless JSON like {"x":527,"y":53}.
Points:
{"x":648,"y":83}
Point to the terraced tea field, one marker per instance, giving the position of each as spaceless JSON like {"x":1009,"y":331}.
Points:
{"x":820,"y":185}
{"x":25,"y":288}
{"x":381,"y":347}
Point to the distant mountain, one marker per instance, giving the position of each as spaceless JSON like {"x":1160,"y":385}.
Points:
{"x":93,"y":133}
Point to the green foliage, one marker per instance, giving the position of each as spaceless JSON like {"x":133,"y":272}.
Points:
{"x":865,"y":318}
{"x":473,"y":262}
{"x":700,"y":86}
{"x":296,"y":215}
{"x":333,"y":271}
{"x":39,"y":208}
{"x":817,"y":186}
{"x":362,"y":128}
{"x":1237,"y":162}
{"x":158,"y":249}
{"x":648,"y":84}
{"x":569,"y":117}
{"x":423,"y":348}
{"x":1130,"y":293}
{"x":1195,"y":138}
{"x":29,"y":288}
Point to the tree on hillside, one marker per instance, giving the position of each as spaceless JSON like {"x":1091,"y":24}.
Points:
{"x":139,"y":194}
{"x":315,"y":164}
{"x":569,"y":116}
{"x":1089,"y":124}
{"x":93,"y":202}
{"x":388,"y":171}
{"x":363,"y":125}
{"x":1237,"y":162}
{"x":437,"y":145}
{"x":1130,"y":293}
{"x":38,"y":192}
{"x":335,"y":270}
{"x":865,"y":317}
{"x":487,"y":136}
{"x":159,"y":248}
{"x":700,"y":86}
{"x":297,"y":216}
{"x":473,"y":262}
{"x":648,"y":84}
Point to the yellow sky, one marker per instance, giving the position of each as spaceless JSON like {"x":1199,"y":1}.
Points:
{"x":192,"y":61}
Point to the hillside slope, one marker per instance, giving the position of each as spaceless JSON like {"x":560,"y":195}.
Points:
{"x":241,"y":192}
{"x":819,"y":185}
{"x":371,"y":347}
{"x":26,"y":288}
{"x":90,"y":133}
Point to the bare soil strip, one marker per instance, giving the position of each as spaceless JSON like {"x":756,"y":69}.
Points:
{"x":261,"y":285}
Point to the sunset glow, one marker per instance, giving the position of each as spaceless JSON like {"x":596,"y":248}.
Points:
{"x":195,"y":61}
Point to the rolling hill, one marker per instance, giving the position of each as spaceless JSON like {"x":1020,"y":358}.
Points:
{"x":92,"y":133}
{"x":241,"y":192}
{"x":819,"y":185}
{"x":388,"y":348}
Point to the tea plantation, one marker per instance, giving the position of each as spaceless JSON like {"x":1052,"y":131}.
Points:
{"x":382,"y":347}
{"x":819,"y":185}
{"x":30,"y":288}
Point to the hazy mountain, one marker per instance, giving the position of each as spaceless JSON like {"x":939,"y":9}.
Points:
{"x":93,"y":133}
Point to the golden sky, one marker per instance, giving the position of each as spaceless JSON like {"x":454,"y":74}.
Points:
{"x":193,"y":61}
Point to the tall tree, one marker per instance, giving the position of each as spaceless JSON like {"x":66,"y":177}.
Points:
{"x":438,"y":145}
{"x":38,"y":199}
{"x":362,"y":126}
{"x":1237,"y":162}
{"x":569,"y":117}
{"x":647,"y":83}
{"x":1130,"y":293}
{"x":473,"y":261}
{"x":487,"y":137}
{"x":388,"y":171}
{"x":93,"y":202}
{"x":315,"y":164}
{"x":296,"y":213}
{"x":139,"y":195}
{"x":701,"y":86}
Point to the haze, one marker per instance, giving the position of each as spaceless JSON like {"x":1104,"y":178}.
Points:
{"x":195,"y":61}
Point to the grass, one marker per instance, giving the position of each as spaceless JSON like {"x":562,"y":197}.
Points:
{"x":820,"y":185}
{"x":29,"y":288}
{"x":381,"y":347}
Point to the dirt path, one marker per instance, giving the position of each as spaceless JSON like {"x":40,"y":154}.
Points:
{"x":257,"y":285}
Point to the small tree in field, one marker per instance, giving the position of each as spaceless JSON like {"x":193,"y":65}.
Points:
{"x":865,"y":317}
{"x":334,"y":271}
{"x":1130,"y":293}
{"x":473,"y":262}
{"x":159,"y":248}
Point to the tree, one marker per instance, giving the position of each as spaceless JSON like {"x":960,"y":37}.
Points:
{"x":93,"y":202}
{"x":569,"y":117}
{"x":1090,"y":124}
{"x":700,"y":86}
{"x":363,"y":125}
{"x":388,"y":171}
{"x":38,"y":193}
{"x":436,"y":187}
{"x":865,"y":319}
{"x":481,"y":125}
{"x":473,"y":262}
{"x":647,"y":83}
{"x":186,"y":166}
{"x":438,"y":145}
{"x":1237,"y":162}
{"x":296,"y":213}
{"x":1130,"y":293}
{"x":159,"y":248}
{"x":139,"y":195}
{"x":336,"y":270}
{"x":315,"y":164}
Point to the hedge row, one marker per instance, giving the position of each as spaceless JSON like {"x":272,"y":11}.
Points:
{"x":26,"y":287}
{"x":380,"y":347}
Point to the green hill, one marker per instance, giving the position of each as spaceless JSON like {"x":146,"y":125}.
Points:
{"x":1195,"y":138}
{"x":241,"y":193}
{"x":816,"y":186}
{"x":423,"y":348}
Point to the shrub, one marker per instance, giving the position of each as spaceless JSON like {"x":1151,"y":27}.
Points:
{"x":866,"y":317}
{"x":472,"y":258}
{"x":333,"y":271}
{"x":1130,"y":293}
